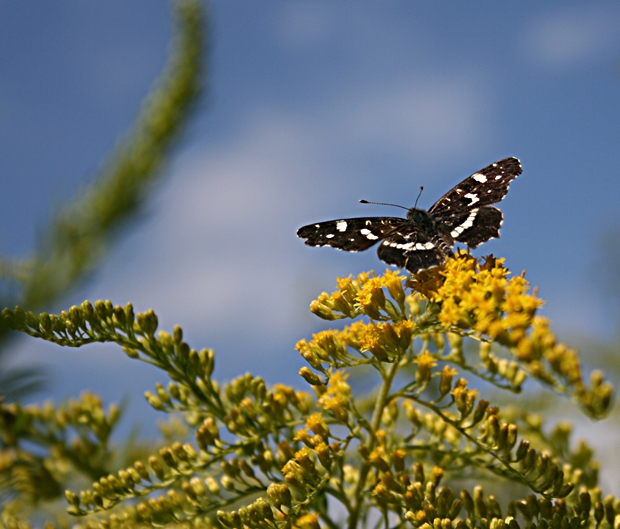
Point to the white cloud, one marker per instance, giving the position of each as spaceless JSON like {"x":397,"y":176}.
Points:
{"x":422,"y":120}
{"x":569,"y":38}
{"x":223,"y":250}
{"x":212,"y":257}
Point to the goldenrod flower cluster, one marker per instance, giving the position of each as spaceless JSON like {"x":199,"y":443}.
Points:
{"x":275,"y":457}
{"x":462,"y":299}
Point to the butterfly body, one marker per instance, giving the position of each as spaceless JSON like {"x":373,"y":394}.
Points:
{"x":425,"y":238}
{"x":423,"y":220}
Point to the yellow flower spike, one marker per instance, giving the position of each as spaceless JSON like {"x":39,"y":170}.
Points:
{"x":350,"y":335}
{"x":329,"y":342}
{"x":363,"y":277}
{"x":336,"y":398}
{"x":280,"y":495}
{"x":370,"y":339}
{"x":320,"y":307}
{"x":341,"y":304}
{"x":335,"y":405}
{"x":445,"y":385}
{"x":307,"y":521}
{"x":389,"y":336}
{"x":398,"y":459}
{"x":305,"y":462}
{"x":316,"y":423}
{"x":414,"y":301}
{"x":303,"y":436}
{"x":516,"y":335}
{"x":390,"y":414}
{"x":378,"y":459}
{"x":306,"y":350}
{"x":396,"y":337}
{"x":310,"y":377}
{"x":393,"y":281}
{"x":323,"y":453}
{"x":381,"y":436}
{"x":425,"y":362}
{"x":338,"y":384}
{"x":479,"y":296}
{"x":412,"y":413}
{"x":371,"y":299}
{"x":341,"y":301}
{"x":348,"y":288}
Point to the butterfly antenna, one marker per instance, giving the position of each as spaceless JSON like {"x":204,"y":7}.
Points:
{"x":419,"y":194}
{"x":381,"y":204}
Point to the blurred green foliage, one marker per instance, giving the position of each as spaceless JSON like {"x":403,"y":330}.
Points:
{"x":80,"y":232}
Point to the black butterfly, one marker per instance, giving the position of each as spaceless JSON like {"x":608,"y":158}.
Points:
{"x":425,"y":238}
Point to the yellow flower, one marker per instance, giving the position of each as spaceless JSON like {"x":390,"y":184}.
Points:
{"x":371,"y":299}
{"x":318,"y":426}
{"x":350,"y":335}
{"x":370,"y":339}
{"x":425,"y":362}
{"x":337,"y":396}
{"x":464,"y":297}
{"x":307,"y":521}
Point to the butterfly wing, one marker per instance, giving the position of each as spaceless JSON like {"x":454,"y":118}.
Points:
{"x":465,"y":212}
{"x":351,"y":235}
{"x":407,"y":247}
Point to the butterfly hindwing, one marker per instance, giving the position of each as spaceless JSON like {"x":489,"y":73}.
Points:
{"x":408,"y":248}
{"x":351,"y":235}
{"x":480,"y":226}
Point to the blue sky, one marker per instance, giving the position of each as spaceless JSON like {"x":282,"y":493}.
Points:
{"x":311,"y":106}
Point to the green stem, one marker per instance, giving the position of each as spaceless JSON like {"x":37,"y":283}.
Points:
{"x":382,"y":399}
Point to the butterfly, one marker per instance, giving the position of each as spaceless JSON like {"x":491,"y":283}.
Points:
{"x":425,"y":238}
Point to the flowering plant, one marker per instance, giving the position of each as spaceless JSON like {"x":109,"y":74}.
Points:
{"x":413,"y":451}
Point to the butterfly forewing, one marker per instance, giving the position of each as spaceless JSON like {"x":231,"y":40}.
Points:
{"x":465,"y":211}
{"x":485,"y":187}
{"x":351,"y":235}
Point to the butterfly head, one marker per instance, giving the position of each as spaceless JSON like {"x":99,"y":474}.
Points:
{"x":422,"y":219}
